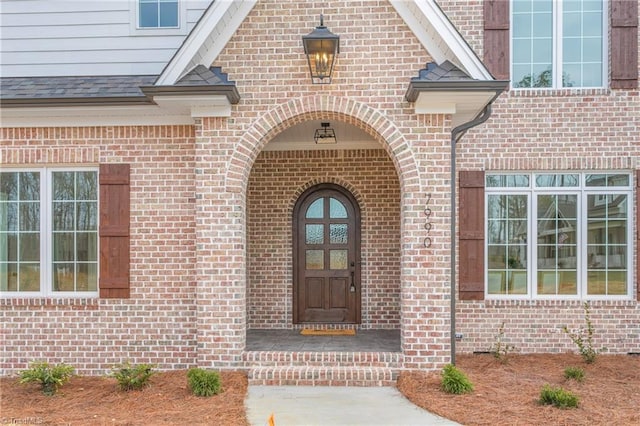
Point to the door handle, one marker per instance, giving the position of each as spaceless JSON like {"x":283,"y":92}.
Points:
{"x":352,"y":287}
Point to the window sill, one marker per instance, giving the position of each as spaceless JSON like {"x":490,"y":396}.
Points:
{"x":569,"y":91}
{"x":622,"y":301}
{"x":15,"y":301}
{"x":159,"y":31}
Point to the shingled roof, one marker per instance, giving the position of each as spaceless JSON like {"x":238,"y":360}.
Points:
{"x":110,"y":90}
{"x":443,"y":72}
{"x":448,"y":77}
{"x":199,"y":81}
{"x":24,"y":91}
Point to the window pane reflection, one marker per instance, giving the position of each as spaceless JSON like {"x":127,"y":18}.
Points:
{"x":605,"y":180}
{"x":314,"y":259}
{"x":87,"y":277}
{"x":63,"y":277}
{"x":338,"y":259}
{"x":507,"y":244}
{"x":554,"y":180}
{"x":63,"y":185}
{"x":316,"y":209}
{"x":19,"y":231}
{"x":168,"y":14}
{"x":337,"y":209}
{"x":607,"y":253}
{"x":314,"y":233}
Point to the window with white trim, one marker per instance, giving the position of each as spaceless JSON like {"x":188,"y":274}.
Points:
{"x":556,"y":44}
{"x":559,"y":235}
{"x":49,"y":232}
{"x":158,"y":14}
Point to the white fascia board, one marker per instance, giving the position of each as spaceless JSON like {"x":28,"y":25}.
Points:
{"x":463,"y":53}
{"x":182,"y":62}
{"x":168,"y":111}
{"x":82,"y":116}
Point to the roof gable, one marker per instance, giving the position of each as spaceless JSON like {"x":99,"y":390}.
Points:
{"x":439,"y":36}
{"x":425,"y":18}
{"x":207,"y":39}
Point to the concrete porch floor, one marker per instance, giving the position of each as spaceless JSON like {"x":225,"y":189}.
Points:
{"x":292,"y":340}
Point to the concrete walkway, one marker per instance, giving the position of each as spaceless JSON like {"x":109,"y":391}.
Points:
{"x":324,"y":405}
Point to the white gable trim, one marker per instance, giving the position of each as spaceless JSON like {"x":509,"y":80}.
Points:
{"x":222,"y":19}
{"x":439,"y":37}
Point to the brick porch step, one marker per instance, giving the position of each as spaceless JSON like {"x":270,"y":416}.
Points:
{"x":279,"y":368}
{"x":323,"y":376}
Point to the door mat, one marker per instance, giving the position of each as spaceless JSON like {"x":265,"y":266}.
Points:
{"x":313,"y":332}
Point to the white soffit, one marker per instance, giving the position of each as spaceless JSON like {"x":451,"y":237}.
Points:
{"x":464,"y":106}
{"x":196,"y":106}
{"x":439,"y":37}
{"x":207,"y":39}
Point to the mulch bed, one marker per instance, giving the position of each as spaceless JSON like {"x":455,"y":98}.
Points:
{"x":507,"y":393}
{"x":96,"y":401}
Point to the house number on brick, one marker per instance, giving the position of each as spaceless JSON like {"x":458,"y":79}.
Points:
{"x":427,"y":225}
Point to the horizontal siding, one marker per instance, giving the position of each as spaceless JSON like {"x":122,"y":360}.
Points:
{"x":69,"y":31}
{"x":43,"y":37}
{"x":87,"y":44}
{"x":18,"y":7}
{"x":105,"y":56}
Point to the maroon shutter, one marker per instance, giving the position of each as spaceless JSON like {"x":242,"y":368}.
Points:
{"x":471,"y":235}
{"x":638,"y":234}
{"x":496,"y":37}
{"x":624,"y":44}
{"x":114,"y":231}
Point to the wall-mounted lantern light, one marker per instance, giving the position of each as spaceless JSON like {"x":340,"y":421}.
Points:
{"x":326,"y":135}
{"x":321,"y":47}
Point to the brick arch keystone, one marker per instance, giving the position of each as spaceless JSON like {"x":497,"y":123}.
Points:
{"x":321,"y":107}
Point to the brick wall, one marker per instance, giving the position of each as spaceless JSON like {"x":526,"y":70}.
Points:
{"x":570,"y":129}
{"x":190,"y":261}
{"x":157,"y":324}
{"x":277,"y":179}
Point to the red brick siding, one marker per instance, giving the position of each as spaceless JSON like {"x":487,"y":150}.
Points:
{"x":277,"y":179}
{"x":188,"y":230}
{"x":157,"y":324}
{"x":554,"y":130}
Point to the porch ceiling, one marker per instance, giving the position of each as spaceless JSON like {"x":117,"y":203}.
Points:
{"x":300,"y":137}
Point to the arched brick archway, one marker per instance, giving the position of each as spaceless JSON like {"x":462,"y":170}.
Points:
{"x":247,"y":156}
{"x":323,"y":107}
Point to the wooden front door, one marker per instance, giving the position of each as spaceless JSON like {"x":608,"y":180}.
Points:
{"x":326,"y":233}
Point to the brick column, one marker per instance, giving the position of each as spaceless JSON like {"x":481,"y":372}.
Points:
{"x":425,"y":250}
{"x":220,"y":251}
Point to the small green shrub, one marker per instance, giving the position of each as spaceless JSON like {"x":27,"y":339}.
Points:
{"x":575,"y":373}
{"x":455,"y":381}
{"x":50,"y":377}
{"x":558,"y":397}
{"x":203,"y":382}
{"x":131,"y":377}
